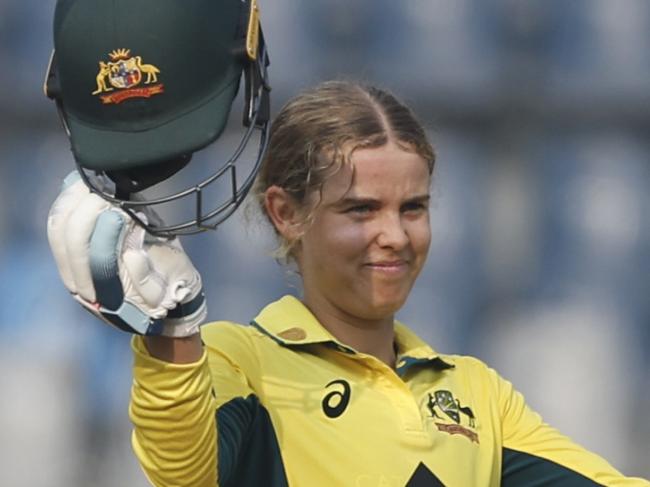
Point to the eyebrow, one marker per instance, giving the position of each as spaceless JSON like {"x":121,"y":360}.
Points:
{"x":361,"y":200}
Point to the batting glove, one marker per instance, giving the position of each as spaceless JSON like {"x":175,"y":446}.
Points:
{"x":132,"y":280}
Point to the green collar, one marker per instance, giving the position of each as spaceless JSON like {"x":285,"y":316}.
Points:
{"x":290,"y":323}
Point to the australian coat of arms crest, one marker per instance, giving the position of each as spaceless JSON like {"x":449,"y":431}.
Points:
{"x":442,"y":403}
{"x":121,"y":78}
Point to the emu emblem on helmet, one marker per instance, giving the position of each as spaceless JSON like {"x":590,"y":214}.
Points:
{"x":124,"y":73}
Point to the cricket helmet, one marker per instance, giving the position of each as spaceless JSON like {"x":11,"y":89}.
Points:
{"x":141,"y":85}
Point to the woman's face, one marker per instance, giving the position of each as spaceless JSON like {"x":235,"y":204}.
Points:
{"x":370,"y":234}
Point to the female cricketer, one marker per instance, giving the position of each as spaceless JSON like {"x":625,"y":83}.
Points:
{"x":325,"y":388}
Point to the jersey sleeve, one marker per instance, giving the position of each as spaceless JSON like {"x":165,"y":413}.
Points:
{"x":202,"y":424}
{"x":534,"y":453}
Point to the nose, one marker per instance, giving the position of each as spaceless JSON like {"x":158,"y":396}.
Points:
{"x":392,"y":233}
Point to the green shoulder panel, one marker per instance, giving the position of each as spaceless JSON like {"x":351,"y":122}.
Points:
{"x":522,"y":469}
{"x":248,"y":450}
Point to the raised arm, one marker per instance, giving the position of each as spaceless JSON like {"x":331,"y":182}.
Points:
{"x":146,"y":286}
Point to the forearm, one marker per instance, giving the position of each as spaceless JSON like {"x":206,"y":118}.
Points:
{"x":172,"y":409}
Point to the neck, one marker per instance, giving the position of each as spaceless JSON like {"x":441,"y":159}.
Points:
{"x":369,"y":336}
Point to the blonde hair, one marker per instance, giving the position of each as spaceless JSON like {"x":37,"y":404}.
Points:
{"x":316,"y":132}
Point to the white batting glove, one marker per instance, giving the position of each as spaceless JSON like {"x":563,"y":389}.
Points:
{"x":132,"y":280}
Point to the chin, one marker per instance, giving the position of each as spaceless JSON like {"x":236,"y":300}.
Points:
{"x":379,"y":307}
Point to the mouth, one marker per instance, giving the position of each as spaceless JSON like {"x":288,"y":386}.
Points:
{"x":388,"y":267}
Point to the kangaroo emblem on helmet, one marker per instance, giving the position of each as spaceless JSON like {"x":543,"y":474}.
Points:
{"x":104,"y":71}
{"x":124,"y":73}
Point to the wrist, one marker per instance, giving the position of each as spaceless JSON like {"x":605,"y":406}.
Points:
{"x":185,"y":319}
{"x":178,"y":350}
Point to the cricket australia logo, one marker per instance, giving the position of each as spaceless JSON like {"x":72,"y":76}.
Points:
{"x":123,"y":76}
{"x":444,"y":407}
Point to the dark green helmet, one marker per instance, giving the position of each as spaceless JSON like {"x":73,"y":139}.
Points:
{"x":142,"y":84}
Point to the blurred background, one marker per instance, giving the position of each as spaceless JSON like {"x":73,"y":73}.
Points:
{"x":540,"y":113}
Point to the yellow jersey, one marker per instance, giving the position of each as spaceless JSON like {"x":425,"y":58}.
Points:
{"x":282,"y":403}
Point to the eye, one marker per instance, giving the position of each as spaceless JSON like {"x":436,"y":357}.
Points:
{"x":359,"y":209}
{"x":414,"y":207}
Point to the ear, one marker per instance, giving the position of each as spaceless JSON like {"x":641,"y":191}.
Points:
{"x":284,"y":212}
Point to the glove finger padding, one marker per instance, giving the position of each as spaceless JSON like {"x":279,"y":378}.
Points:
{"x":80,"y":228}
{"x":73,"y":191}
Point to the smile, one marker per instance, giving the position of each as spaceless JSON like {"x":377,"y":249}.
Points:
{"x":389,"y":268}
